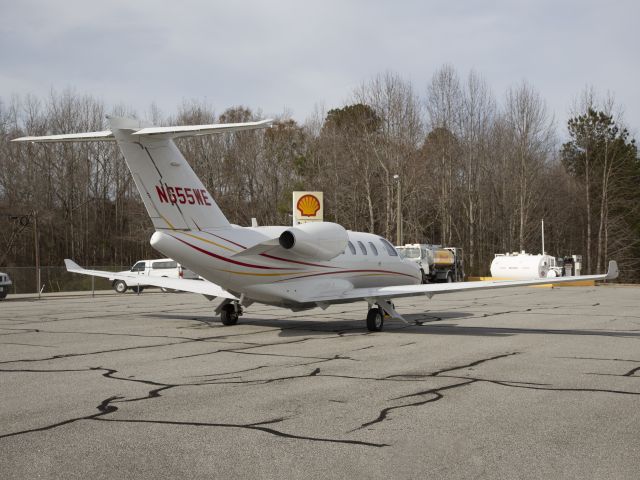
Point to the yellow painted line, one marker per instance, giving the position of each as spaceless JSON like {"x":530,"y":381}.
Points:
{"x":206,"y":240}
{"x":578,"y":283}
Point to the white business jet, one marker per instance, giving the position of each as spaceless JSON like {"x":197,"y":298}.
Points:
{"x":302,"y":267}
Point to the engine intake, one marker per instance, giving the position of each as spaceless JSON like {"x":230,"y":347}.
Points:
{"x":317,"y":240}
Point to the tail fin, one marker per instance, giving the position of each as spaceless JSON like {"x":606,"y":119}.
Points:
{"x":173,"y":195}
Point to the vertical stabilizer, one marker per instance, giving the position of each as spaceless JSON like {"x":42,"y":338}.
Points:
{"x":173,"y":195}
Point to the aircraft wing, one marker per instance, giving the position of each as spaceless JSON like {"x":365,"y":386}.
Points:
{"x":430,"y":289}
{"x":203,"y":287}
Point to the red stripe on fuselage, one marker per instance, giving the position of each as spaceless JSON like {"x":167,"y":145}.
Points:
{"x":225,"y":259}
{"x":347,"y":271}
{"x":270,"y":256}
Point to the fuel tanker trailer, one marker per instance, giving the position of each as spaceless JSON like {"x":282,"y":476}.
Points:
{"x":524,"y":266}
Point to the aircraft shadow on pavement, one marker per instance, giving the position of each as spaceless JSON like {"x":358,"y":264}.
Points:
{"x":431,"y":323}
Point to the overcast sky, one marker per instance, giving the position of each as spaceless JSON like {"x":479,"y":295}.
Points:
{"x":276,"y":55}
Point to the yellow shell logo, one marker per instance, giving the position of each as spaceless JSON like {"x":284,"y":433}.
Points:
{"x":308,"y":205}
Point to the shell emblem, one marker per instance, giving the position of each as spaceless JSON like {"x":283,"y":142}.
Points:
{"x":308,"y":205}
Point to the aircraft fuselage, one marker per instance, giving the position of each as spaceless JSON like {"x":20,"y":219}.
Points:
{"x":279,"y":279}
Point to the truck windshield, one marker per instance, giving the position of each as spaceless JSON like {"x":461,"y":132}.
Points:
{"x":410,"y":252}
{"x":138,"y":267}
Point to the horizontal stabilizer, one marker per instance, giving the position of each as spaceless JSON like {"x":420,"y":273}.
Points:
{"x":103,"y":136}
{"x":196,"y":130}
{"x":155,"y":132}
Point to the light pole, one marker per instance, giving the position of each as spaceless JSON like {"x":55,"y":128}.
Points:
{"x":37,"y":251}
{"x":396,"y":177}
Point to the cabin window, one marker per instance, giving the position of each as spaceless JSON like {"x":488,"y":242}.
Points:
{"x":373,"y":248}
{"x":352,"y":248}
{"x":362,"y":247}
{"x":390,"y":250}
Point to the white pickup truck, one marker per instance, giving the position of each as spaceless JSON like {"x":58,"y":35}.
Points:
{"x":5,"y":285}
{"x":162,"y":267}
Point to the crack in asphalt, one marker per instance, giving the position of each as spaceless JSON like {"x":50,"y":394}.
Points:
{"x":435,"y":392}
{"x":104,"y":408}
{"x":254,"y":426}
{"x":437,"y":395}
{"x":631,"y":372}
{"x":83,"y":354}
{"x":28,"y":344}
{"x":430,"y":395}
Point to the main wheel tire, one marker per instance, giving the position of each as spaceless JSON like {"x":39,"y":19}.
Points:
{"x":375,"y":320}
{"x":228,"y":315}
{"x":120,"y":286}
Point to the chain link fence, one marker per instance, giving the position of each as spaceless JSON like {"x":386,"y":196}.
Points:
{"x":57,"y":279}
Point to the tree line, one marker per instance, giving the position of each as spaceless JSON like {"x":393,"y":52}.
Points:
{"x":471,"y":171}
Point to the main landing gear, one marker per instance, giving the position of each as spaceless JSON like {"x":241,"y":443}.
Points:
{"x":383,"y":310}
{"x":375,"y":319}
{"x":230,"y":312}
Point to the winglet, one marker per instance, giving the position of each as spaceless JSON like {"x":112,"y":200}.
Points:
{"x":612,"y":272}
{"x":72,"y":266}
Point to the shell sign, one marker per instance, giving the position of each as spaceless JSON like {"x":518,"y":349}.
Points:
{"x":307,"y":207}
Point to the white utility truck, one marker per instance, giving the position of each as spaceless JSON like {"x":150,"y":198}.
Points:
{"x":162,"y":267}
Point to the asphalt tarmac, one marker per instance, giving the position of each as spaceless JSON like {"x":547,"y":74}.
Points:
{"x":523,"y":383}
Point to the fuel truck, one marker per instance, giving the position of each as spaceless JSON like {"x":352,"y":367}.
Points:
{"x":437,"y":263}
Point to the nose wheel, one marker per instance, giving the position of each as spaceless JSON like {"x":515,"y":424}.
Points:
{"x":230,"y":313}
{"x":375,"y":319}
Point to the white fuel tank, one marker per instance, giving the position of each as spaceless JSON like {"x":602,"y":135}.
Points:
{"x":522,"y":266}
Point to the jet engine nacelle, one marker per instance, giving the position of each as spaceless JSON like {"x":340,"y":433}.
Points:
{"x":318,"y":240}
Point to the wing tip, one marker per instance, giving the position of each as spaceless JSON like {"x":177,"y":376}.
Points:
{"x":612,"y":271}
{"x":71,"y":265}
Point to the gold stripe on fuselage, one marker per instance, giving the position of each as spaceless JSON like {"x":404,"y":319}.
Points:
{"x":206,"y":240}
